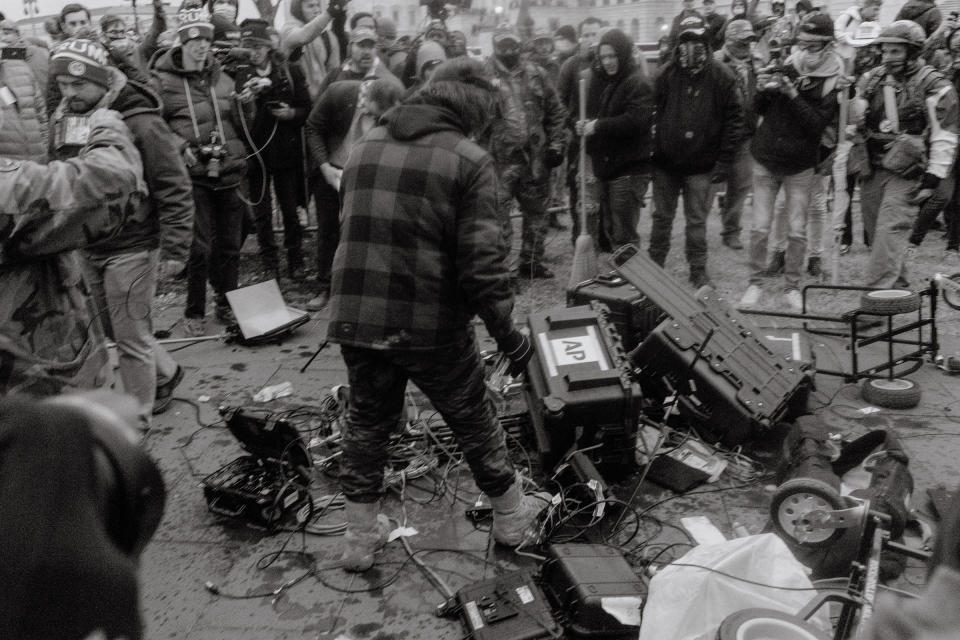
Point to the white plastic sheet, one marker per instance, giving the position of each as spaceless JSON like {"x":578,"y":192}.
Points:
{"x":689,"y":603}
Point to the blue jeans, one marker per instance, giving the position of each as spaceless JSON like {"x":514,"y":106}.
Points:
{"x":696,"y":191}
{"x":122,"y":287}
{"x":739,"y":183}
{"x":613,"y":210}
{"x":452,"y":378}
{"x":816,"y":218}
{"x":766,"y":186}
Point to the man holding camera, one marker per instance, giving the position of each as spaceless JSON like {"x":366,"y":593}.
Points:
{"x":276,"y":133}
{"x":204,"y":112}
{"x":796,"y":101}
{"x":911,"y":122}
{"x":122,"y":271}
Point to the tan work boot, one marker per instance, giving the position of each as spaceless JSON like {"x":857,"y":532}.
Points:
{"x":367,"y":532}
{"x":515,"y":515}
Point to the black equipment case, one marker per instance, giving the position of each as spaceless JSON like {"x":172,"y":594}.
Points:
{"x":579,"y":577}
{"x":578,"y":388}
{"x":631,"y":312}
{"x":732,"y":384}
{"x":270,"y":483}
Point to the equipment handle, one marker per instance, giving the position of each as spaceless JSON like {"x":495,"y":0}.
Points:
{"x":583,"y":156}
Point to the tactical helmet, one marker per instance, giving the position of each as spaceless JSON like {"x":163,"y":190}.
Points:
{"x":905,"y":32}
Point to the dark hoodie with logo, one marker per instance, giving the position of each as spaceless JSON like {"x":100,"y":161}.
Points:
{"x":166,"y":215}
{"x":421,"y":248}
{"x":623,"y":107}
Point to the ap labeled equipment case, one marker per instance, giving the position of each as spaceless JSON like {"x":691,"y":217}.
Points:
{"x":578,"y":389}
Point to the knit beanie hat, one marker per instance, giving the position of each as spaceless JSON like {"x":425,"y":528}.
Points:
{"x":566,"y":32}
{"x":80,"y":58}
{"x":254,"y":32}
{"x":194,"y":22}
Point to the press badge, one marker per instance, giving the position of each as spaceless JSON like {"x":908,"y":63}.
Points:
{"x":72,"y":131}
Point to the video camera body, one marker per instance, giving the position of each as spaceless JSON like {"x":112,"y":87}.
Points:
{"x":778,"y":52}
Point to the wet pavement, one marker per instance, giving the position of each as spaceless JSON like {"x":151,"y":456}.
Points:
{"x":267,"y":589}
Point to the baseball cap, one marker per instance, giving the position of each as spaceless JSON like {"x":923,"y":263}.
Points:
{"x":691,"y":28}
{"x":362,"y":34}
{"x":740,"y":30}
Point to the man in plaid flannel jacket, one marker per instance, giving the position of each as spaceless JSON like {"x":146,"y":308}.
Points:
{"x":421,"y":252}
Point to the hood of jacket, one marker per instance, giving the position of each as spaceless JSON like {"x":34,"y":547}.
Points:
{"x":413,"y":121}
{"x":172,"y":62}
{"x":913,"y":9}
{"x":623,"y":47}
{"x":136,"y":99}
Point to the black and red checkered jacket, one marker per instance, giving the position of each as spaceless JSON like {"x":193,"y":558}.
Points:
{"x":421,"y":250}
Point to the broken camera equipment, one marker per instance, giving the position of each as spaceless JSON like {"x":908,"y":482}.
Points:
{"x":269,"y":483}
{"x":508,"y":607}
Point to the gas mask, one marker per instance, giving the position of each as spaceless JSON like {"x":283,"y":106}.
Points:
{"x":225,"y":10}
{"x":692,"y":56}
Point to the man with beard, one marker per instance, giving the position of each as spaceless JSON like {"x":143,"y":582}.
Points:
{"x":737,"y":54}
{"x":618,"y":140}
{"x":526,"y":141}
{"x":909,"y":154}
{"x":795,"y":102}
{"x":364,"y":61}
{"x":699,"y":125}
{"x":122,"y":272}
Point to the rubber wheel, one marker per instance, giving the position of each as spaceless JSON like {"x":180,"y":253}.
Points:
{"x":766,"y":624}
{"x":889,"y":302}
{"x":898,"y":393}
{"x":796,"y":498}
{"x":952,"y":299}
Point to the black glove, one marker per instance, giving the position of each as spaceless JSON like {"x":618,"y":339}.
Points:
{"x":517,"y":348}
{"x":335,"y":9}
{"x":928,"y":185}
{"x":719,"y":174}
{"x":555,"y":157}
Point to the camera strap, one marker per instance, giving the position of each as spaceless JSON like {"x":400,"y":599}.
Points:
{"x":193,"y":112}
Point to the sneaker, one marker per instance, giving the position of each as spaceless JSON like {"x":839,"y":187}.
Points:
{"x":164,"y":395}
{"x":531,"y":271}
{"x":814,"y":267}
{"x":733,"y":242}
{"x":778,"y":262}
{"x":318,"y":302}
{"x":224,"y":314}
{"x":367,"y":532}
{"x":194,"y":327}
{"x":794,"y":300}
{"x":751,"y":297}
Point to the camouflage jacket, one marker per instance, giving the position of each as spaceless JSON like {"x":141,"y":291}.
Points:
{"x":49,"y":336}
{"x":531,"y":116}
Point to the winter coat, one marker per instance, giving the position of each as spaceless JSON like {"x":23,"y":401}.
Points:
{"x":568,"y":86}
{"x":745,"y":73}
{"x":171,"y":80}
{"x":531,"y":117}
{"x":622,"y":140}
{"x":912,"y":94}
{"x":788,"y":138}
{"x":23,"y":126}
{"x":699,"y":121}
{"x":924,"y":12}
{"x":420,"y":256}
{"x":49,"y":336}
{"x":280,"y":142}
{"x":329,"y":120}
{"x":168,"y":211}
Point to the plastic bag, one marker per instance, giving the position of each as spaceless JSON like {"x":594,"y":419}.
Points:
{"x":689,"y":603}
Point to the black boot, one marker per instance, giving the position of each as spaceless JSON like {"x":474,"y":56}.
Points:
{"x":778,"y":262}
{"x":295,"y":269}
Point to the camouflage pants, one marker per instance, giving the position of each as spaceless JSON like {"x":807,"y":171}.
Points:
{"x":452,"y":378}
{"x":516,"y":181}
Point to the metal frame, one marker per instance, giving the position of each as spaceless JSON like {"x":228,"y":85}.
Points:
{"x":913,"y":360}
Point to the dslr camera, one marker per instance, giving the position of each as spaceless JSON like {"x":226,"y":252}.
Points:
{"x":775,"y":66}
{"x":212,"y":154}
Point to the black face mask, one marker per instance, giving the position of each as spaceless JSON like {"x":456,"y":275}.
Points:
{"x":509,"y":59}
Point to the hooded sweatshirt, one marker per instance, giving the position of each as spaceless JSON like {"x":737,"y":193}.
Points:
{"x":421,"y":248}
{"x":623,"y":107}
{"x":316,"y":49}
{"x":169,"y":207}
